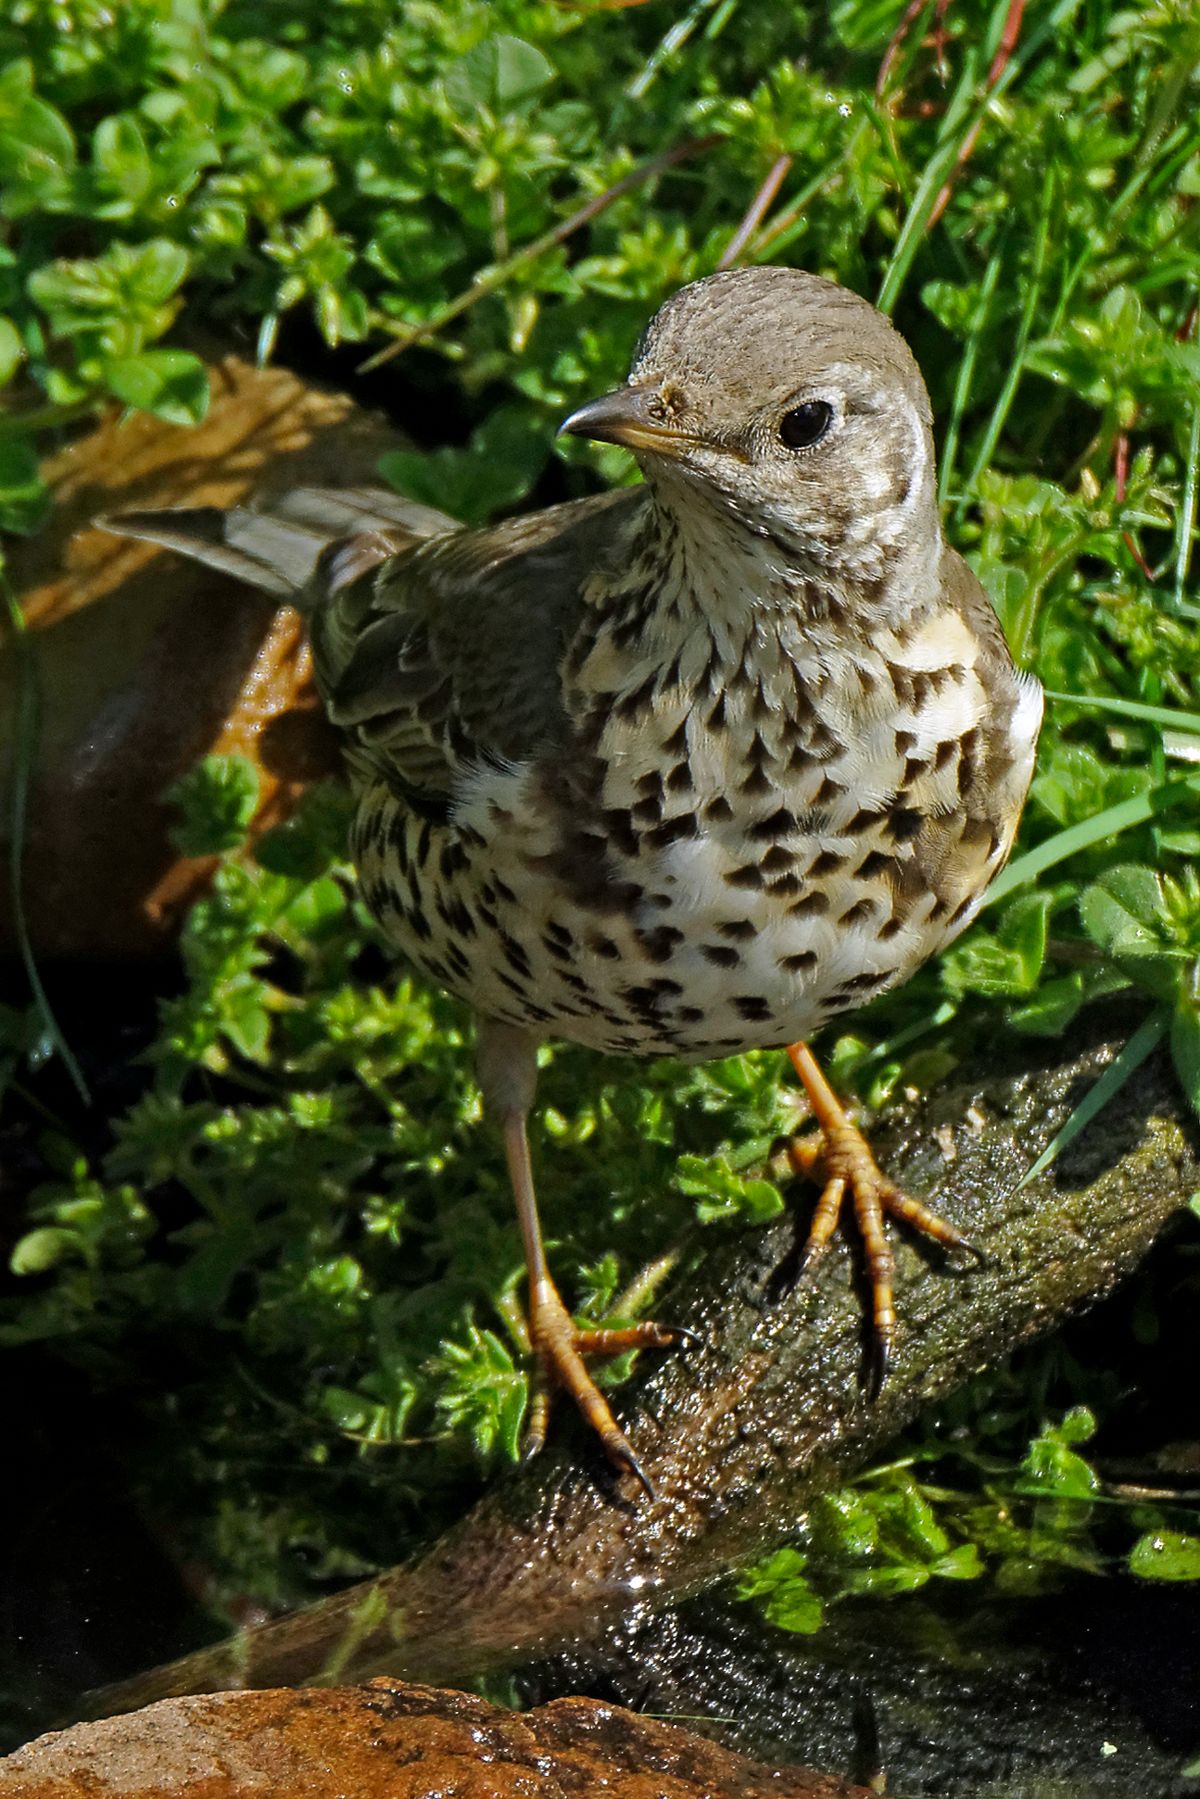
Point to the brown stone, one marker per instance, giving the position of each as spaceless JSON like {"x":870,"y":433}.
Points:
{"x":146,"y":663}
{"x":394,"y":1741}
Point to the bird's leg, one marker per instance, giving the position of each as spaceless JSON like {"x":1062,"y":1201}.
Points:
{"x":508,"y":1073}
{"x":839,"y":1157}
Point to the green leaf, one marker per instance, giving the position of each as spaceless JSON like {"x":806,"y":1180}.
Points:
{"x":1077,"y":1426}
{"x":1185,"y":1048}
{"x":1051,"y":1465}
{"x":1125,"y":914}
{"x":314,"y":839}
{"x":153,"y":270}
{"x":506,"y":454}
{"x":847,"y":1524}
{"x":12,"y":349}
{"x":122,"y":292}
{"x":37,"y":149}
{"x":963,"y":1563}
{"x":1125,"y":905}
{"x":1166,"y":1555}
{"x":218,"y":799}
{"x":499,"y":75}
{"x":1008,"y":962}
{"x":24,"y":500}
{"x":1051,"y":1008}
{"x":886,"y":1581}
{"x":246,"y":1021}
{"x":269,"y":75}
{"x":123,"y":171}
{"x":911,"y":1519}
{"x":723,"y":1194}
{"x":172,"y":384}
{"x":783,"y":1594}
{"x":485,"y":1393}
{"x":42,"y":1249}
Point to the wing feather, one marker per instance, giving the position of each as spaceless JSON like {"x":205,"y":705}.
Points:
{"x":448,"y":655}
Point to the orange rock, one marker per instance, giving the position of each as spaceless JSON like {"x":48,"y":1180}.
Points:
{"x":389,"y":1740}
{"x":144,"y":663}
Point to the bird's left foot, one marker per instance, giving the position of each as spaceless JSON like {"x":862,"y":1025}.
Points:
{"x":560,"y":1346}
{"x":840,"y":1158}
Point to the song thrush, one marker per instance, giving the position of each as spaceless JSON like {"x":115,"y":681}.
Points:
{"x":685,"y":769}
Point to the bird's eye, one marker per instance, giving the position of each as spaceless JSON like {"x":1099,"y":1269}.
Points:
{"x":806,"y":425}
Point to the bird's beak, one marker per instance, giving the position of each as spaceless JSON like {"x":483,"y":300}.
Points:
{"x":626,"y":416}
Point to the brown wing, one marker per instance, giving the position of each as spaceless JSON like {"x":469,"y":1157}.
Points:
{"x":448,"y":653}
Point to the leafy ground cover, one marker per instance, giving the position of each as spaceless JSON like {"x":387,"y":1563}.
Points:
{"x":276,"y":1242}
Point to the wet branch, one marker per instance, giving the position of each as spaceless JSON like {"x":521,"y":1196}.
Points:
{"x":741,"y":1433}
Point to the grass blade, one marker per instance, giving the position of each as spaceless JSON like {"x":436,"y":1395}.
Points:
{"x":1145,"y":1039}
{"x":1167,"y":716}
{"x":24,"y":753}
{"x":1187,"y":510}
{"x":1101,"y":827}
{"x":1016,"y":367}
{"x":966,"y":373}
{"x":930,"y":184}
{"x":967,"y":108}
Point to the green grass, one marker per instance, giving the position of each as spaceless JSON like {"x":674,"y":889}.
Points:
{"x":290,"y":1262}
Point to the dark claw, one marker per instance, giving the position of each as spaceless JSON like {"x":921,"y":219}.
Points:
{"x":531,"y":1448}
{"x":624,"y":1458}
{"x":980,"y":1257}
{"x":811,"y":1256}
{"x":684,"y":1334}
{"x":879,"y":1359}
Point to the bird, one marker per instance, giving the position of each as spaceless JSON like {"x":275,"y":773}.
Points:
{"x":687,"y":768}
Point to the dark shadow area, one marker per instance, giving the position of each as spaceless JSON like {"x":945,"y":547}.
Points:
{"x":1091,"y":1693}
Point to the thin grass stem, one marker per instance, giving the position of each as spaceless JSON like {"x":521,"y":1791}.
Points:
{"x":25,"y":740}
{"x":1016,"y":367}
{"x":1187,"y":511}
{"x":966,"y":372}
{"x":1144,"y":1041}
{"x":1102,"y":827}
{"x":1168,"y":716}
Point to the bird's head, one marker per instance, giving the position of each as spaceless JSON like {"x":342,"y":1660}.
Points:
{"x":790,"y":403}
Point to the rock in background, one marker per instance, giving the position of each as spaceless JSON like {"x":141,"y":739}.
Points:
{"x":144,"y":664}
{"x":390,"y":1739}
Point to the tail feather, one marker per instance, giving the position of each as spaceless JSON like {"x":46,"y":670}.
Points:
{"x":278,"y":558}
{"x":276,"y":549}
{"x":340,"y":511}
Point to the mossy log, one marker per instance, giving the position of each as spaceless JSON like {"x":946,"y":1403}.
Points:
{"x":740,"y":1433}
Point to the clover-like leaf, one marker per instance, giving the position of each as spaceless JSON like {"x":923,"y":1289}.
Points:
{"x":500,"y":75}
{"x":1125,"y":913}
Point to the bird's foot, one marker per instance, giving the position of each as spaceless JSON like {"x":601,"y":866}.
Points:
{"x":560,"y":1345}
{"x":839,"y":1157}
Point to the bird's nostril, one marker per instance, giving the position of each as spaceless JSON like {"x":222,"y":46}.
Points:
{"x":668,"y":405}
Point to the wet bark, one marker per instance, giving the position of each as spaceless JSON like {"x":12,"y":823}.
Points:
{"x":1091,"y":1691}
{"x":741,"y":1432}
